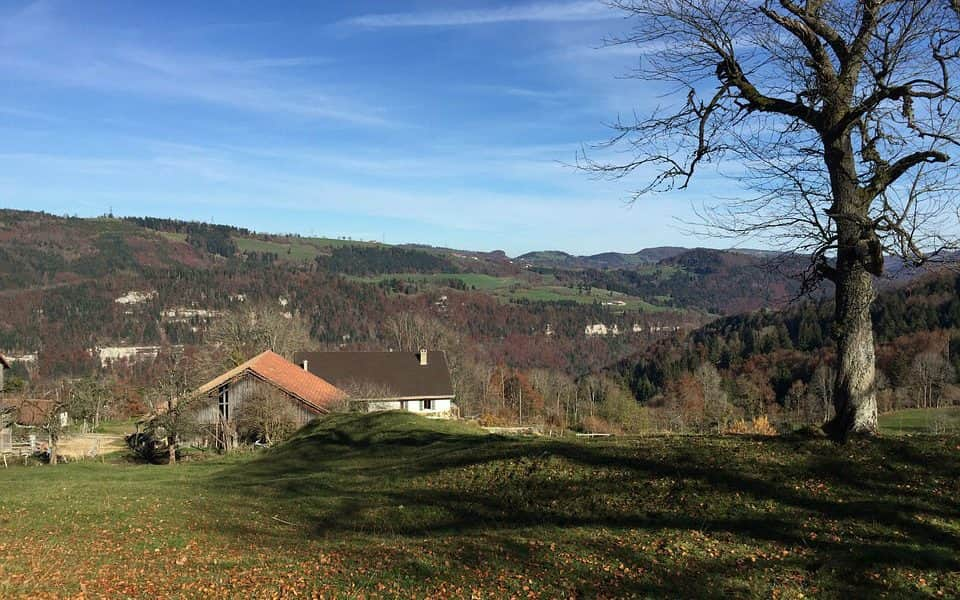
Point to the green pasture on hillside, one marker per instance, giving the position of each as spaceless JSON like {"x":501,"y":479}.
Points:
{"x":530,"y":288}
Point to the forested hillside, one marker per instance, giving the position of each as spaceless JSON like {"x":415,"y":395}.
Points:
{"x":779,"y":365}
{"x":79,"y":292}
{"x":579,"y":345}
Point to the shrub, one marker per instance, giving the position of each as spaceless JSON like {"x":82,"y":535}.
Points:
{"x":758,"y":426}
{"x":600,"y":425}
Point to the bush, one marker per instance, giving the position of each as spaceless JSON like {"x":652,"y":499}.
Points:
{"x":600,"y":425}
{"x":759,"y":426}
{"x":622,"y":408}
{"x":497,"y":419}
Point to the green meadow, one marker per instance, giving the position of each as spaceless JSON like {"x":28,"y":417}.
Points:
{"x":393,"y":505}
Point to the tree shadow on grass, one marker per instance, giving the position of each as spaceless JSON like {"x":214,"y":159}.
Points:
{"x":847,"y":509}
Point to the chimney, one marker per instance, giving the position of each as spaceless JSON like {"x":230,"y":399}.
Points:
{"x":305,"y":365}
{"x":423,"y":357}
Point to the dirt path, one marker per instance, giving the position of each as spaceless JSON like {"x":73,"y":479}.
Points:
{"x":90,"y":445}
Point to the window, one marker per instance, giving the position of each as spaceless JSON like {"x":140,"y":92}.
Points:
{"x":224,"y":403}
{"x":428,"y":405}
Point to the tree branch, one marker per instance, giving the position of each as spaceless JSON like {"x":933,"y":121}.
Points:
{"x":885,"y":176}
{"x":826,"y":73}
{"x":850,"y":69}
{"x":809,"y":15}
{"x":730,"y":73}
{"x":894,"y":92}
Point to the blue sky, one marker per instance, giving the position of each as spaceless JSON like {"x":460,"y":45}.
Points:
{"x":440,"y":122}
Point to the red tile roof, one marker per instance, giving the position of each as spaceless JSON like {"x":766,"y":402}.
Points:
{"x":316,"y":393}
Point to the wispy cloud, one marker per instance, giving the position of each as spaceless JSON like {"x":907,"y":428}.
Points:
{"x":39,"y":47}
{"x":34,"y":22}
{"x":187,"y":80}
{"x":286,"y":62}
{"x":518,"y":92}
{"x":586,"y":10}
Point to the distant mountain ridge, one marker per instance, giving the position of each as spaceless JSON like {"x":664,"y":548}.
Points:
{"x":39,"y":251}
{"x":558,"y":259}
{"x":69,"y":285}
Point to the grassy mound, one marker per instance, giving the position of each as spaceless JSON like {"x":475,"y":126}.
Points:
{"x":378,"y":428}
{"x":376,"y":440}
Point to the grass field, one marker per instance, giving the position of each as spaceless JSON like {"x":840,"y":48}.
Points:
{"x":294,"y":249}
{"x":524,"y":288}
{"x":392,"y":505}
{"x":921,"y":420}
{"x":479,"y":281}
{"x":560,"y":293}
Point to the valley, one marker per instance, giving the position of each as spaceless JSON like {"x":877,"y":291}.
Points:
{"x":668,"y":328}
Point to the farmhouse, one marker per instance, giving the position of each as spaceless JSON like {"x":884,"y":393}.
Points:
{"x":265,"y":388}
{"x":415,"y":381}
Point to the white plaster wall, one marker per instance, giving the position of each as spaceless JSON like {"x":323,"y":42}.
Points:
{"x":414,"y":406}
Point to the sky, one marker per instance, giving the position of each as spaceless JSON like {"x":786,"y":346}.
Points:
{"x":446,"y":122}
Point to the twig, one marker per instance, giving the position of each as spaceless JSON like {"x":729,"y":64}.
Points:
{"x":278,"y":519}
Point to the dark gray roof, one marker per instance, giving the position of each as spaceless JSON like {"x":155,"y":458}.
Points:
{"x":399,"y":374}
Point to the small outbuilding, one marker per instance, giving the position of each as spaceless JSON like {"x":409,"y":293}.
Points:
{"x":24,"y":421}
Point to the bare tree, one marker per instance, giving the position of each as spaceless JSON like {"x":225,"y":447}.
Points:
{"x":930,"y":374}
{"x":821,"y":390}
{"x":173,"y":405}
{"x":267,"y":415}
{"x":54,"y":419}
{"x":717,"y":409}
{"x":796,"y":401}
{"x":359,"y":394}
{"x":89,"y":399}
{"x":558,"y":392}
{"x":410,"y":332}
{"x":838,"y":114}
{"x":242,"y":334}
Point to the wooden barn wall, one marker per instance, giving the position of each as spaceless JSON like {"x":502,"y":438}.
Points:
{"x":246,"y":390}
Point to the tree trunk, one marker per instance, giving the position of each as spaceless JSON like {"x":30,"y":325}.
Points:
{"x":172,"y":448}
{"x":855,"y":395}
{"x":520,"y":386}
{"x":859,"y":257}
